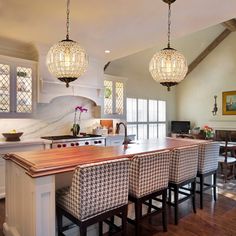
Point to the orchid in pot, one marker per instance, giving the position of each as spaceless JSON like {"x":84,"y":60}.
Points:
{"x":76,"y":126}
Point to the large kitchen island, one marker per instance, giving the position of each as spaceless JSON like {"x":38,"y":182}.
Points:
{"x":33,"y":177}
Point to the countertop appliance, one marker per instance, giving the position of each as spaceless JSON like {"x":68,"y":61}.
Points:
{"x":62,"y":141}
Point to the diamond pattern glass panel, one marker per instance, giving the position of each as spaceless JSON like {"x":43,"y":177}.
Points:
{"x":107,"y":97}
{"x":119,"y":98}
{"x":24,"y":90}
{"x":4,"y":88}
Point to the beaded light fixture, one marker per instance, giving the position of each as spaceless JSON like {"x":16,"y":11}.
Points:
{"x":168,"y":67}
{"x":67,"y":60}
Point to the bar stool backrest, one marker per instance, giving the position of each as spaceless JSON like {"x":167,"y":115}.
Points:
{"x":149,"y":173}
{"x":99,"y":187}
{"x":183,"y":164}
{"x":208,"y":157}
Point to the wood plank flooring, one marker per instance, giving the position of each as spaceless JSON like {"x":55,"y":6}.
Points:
{"x":216,"y":219}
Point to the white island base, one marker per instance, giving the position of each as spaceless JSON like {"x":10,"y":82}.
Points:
{"x":30,"y":204}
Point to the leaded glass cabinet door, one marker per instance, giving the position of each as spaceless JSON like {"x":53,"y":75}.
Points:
{"x":24,"y":90}
{"x":17,"y":87}
{"x":4,"y":88}
{"x":114,"y":96}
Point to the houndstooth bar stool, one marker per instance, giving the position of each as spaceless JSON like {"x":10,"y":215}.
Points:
{"x":149,"y":179}
{"x":98,"y":191}
{"x":183,"y":171}
{"x":207,"y":166}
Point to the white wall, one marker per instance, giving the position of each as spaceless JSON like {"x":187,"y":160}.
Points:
{"x":195,"y":95}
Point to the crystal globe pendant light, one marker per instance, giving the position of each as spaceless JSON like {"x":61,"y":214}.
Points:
{"x":67,"y":60}
{"x":168,"y":67}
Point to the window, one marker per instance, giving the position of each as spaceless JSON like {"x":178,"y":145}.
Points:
{"x":113,"y":97}
{"x":146,"y":118}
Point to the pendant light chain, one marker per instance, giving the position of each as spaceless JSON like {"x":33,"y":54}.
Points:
{"x":169,"y":24}
{"x":68,"y":20}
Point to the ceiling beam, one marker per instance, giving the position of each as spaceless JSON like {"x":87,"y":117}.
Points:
{"x":208,"y":50}
{"x":230,"y":25}
{"x":105,"y":67}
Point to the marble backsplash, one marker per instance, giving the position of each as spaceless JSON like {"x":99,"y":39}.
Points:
{"x":54,"y":118}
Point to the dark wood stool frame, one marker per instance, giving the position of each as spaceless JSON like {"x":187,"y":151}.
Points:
{"x":119,"y":211}
{"x":205,"y":186}
{"x":177,"y":188}
{"x":147,"y":200}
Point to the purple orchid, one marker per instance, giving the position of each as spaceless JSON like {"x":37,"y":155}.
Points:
{"x":81,"y":110}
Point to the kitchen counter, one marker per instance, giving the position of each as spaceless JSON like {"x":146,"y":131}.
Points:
{"x":54,"y":161}
{"x":24,"y":142}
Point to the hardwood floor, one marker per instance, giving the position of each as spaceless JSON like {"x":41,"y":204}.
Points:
{"x":217,"y":218}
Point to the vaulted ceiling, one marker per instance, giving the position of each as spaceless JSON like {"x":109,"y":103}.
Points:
{"x":122,"y":26}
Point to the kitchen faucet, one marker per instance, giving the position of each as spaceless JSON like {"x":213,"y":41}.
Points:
{"x":126,"y":140}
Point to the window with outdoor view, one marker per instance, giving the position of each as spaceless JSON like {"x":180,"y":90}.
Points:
{"x":146,"y":118}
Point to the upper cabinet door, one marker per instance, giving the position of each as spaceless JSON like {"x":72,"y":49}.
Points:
{"x":114,"y":97}
{"x":24,"y":89}
{"x":17,"y":87}
{"x":4,"y":88}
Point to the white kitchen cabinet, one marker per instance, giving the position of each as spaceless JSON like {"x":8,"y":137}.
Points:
{"x":17,"y":87}
{"x":114,"y":97}
{"x":2,"y":177}
{"x":114,"y":141}
{"x":117,"y":139}
{"x":10,"y":147}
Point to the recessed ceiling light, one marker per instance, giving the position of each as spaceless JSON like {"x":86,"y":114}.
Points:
{"x":107,"y":51}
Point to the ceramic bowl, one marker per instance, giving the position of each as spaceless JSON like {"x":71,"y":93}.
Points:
{"x":12,"y":136}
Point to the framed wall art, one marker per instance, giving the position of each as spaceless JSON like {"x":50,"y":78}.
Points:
{"x":229,"y":103}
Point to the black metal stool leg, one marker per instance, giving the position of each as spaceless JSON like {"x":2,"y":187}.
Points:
{"x":124,"y":221}
{"x":112,"y":219}
{"x":59,"y":222}
{"x":214,"y":183}
{"x":100,"y":228}
{"x":83,"y":230}
{"x":169,"y":195}
{"x":138,"y":213}
{"x":201,"y":190}
{"x":193,"y":195}
{"x":176,"y":204}
{"x":164,"y":216}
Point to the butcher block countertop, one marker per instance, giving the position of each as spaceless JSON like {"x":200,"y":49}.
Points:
{"x":55,"y":161}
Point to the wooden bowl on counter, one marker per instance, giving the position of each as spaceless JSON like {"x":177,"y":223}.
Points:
{"x":12,"y":136}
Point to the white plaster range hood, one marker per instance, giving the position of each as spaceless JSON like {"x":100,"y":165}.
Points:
{"x":89,"y":85}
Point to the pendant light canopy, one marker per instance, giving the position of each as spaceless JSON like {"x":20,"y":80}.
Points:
{"x":67,"y":60}
{"x":168,"y":67}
